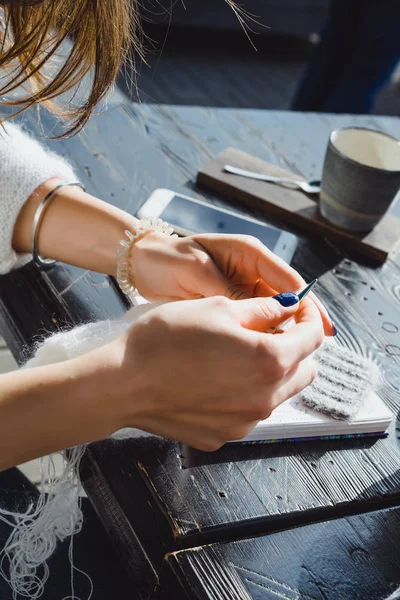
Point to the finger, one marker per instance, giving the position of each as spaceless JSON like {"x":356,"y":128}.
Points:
{"x":212,"y":282}
{"x":329,"y":326}
{"x":255,"y":290}
{"x":262,"y":289}
{"x":267,"y":267}
{"x":260,"y":314}
{"x":271,"y":268}
{"x":298,"y":378}
{"x":307,"y":334}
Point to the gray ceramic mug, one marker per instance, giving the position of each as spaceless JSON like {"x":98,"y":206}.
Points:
{"x":360,"y":179}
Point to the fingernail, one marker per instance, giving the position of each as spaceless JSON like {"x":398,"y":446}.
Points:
{"x":287,"y":299}
{"x":335,"y":331}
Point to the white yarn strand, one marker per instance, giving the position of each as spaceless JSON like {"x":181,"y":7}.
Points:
{"x":75,"y":568}
{"x":56,"y":517}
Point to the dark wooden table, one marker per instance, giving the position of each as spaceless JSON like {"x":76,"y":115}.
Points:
{"x":241,"y":508}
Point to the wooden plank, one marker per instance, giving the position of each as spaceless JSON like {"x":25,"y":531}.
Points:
{"x":293,"y":206}
{"x":352,"y":558}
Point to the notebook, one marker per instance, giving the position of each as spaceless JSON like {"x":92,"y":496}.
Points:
{"x":293,"y":421}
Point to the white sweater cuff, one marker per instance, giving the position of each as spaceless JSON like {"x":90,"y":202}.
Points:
{"x":24,"y":165}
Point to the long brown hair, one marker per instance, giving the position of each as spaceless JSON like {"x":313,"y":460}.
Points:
{"x":102,"y":32}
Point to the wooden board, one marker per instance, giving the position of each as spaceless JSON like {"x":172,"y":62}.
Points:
{"x":355,"y":558}
{"x":293,"y":206}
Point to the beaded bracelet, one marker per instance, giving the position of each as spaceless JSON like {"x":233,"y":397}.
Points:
{"x":37,"y":220}
{"x":124,"y":277}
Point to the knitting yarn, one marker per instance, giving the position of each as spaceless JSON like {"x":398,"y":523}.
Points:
{"x":36,"y":532}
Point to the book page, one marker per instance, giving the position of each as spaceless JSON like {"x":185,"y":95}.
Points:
{"x":294,"y":412}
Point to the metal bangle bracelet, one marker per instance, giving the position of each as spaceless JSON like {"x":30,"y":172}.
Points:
{"x":37,"y":220}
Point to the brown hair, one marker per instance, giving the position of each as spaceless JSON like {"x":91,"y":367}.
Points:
{"x":101,"y":31}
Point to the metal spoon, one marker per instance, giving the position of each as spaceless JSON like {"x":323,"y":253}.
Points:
{"x":309,"y":187}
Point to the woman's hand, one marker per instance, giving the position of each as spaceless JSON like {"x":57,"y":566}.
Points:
{"x":198,"y":371}
{"x":204,"y":265}
{"x":202,"y":372}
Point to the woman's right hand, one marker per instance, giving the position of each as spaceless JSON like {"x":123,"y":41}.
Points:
{"x":203,"y":372}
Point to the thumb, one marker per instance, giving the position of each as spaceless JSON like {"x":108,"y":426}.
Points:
{"x":260,"y":314}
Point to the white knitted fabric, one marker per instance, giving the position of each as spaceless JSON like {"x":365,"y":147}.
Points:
{"x":80,"y":340}
{"x":343,"y":382}
{"x":84,"y":338}
{"x":24,"y":165}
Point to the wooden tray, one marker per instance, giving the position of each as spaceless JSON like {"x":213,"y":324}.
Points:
{"x":292,"y":206}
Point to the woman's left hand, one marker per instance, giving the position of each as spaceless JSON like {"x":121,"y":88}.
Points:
{"x":204,"y":265}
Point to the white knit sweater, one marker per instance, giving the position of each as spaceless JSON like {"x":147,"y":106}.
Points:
{"x":24,"y":165}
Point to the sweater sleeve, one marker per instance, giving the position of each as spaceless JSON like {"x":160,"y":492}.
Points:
{"x":24,"y":165}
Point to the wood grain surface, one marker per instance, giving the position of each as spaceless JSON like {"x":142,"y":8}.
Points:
{"x":355,"y":558}
{"x":148,"y":500}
